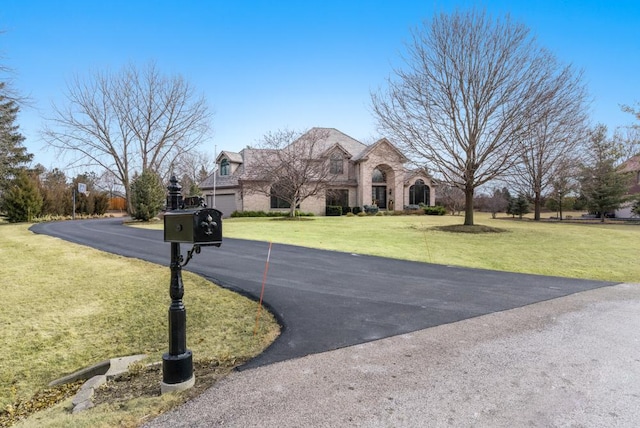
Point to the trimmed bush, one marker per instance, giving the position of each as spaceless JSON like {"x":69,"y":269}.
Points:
{"x":333,"y":210}
{"x":435,"y":210}
{"x":356,"y":210}
{"x":236,"y":214}
{"x":371,"y":209}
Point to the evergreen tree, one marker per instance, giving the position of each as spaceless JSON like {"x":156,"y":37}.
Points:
{"x":13,"y":155}
{"x":602,"y":185}
{"x":635,"y":209}
{"x":518,"y":206}
{"x":148,"y":195}
{"x":22,"y":201}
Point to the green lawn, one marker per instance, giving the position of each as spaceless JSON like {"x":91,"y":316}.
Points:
{"x":593,"y":251}
{"x":67,"y":307}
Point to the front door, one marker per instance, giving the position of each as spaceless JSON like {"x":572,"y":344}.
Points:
{"x":379,"y":196}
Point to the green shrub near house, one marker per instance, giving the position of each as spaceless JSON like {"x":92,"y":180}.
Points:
{"x":435,"y":210}
{"x":239,"y":214}
{"x":333,"y":210}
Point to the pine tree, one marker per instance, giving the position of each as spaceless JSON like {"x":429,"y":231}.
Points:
{"x":518,"y":206}
{"x":602,"y":185}
{"x":13,"y":155}
{"x":22,"y":200}
{"x":147,"y":195}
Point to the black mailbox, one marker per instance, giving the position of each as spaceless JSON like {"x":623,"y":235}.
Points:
{"x":202,"y":226}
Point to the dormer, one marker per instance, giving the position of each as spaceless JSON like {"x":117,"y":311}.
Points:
{"x":228,"y":163}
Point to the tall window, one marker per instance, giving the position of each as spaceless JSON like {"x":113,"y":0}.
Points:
{"x":338,"y":197}
{"x":277,"y":202}
{"x":225,"y":167}
{"x":336,"y":164}
{"x":276,"y":197}
{"x":419,"y":193}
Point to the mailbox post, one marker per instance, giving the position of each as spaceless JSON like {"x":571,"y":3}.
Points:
{"x":200,"y":226}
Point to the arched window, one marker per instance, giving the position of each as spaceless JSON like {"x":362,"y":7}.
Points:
{"x":419,"y":193}
{"x":378,"y":176}
{"x":225,"y":168}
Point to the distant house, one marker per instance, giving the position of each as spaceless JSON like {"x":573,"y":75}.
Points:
{"x":363,"y":175}
{"x":632,"y":167}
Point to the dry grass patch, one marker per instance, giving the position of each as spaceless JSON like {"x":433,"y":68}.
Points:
{"x":70,"y":306}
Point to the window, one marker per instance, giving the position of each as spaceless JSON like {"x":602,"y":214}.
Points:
{"x":336,"y":164}
{"x":276,"y":197}
{"x":225,"y":167}
{"x":378,"y":176}
{"x":338,"y":197}
{"x":419,"y":193}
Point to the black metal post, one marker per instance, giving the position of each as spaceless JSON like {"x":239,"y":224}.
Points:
{"x":177,"y":364}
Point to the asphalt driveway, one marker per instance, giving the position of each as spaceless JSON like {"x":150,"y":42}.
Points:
{"x":328,"y":300}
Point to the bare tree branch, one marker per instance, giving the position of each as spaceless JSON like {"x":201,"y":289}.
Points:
{"x":471,"y":90}
{"x":290,"y":166}
{"x":127,"y":122}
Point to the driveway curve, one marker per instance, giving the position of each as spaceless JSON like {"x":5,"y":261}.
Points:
{"x":327,"y":300}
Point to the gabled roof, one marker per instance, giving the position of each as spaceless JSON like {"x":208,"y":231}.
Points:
{"x":630,"y":165}
{"x":337,"y":146}
{"x":329,"y":137}
{"x":410,"y":174}
{"x":232,"y":156}
{"x":383,"y":141}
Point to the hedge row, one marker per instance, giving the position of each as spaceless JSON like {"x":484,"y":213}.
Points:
{"x":268,"y":214}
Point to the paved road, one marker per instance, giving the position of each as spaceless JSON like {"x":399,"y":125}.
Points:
{"x":329,"y":300}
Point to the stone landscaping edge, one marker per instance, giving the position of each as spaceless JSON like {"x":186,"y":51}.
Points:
{"x":96,"y":375}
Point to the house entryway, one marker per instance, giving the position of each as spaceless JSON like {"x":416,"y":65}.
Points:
{"x":379,"y":196}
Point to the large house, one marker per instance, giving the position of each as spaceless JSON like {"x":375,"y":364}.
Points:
{"x":632,"y":167}
{"x":361,"y":175}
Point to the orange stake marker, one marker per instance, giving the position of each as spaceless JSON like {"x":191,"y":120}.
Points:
{"x":264,"y":280}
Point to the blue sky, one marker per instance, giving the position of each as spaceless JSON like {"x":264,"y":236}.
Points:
{"x":268,"y":65}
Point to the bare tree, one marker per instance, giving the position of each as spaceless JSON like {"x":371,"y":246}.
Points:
{"x":471,"y":89}
{"x":290,"y":167}
{"x":554,"y":139}
{"x":452,"y":198}
{"x":130,"y":121}
{"x":629,"y":136}
{"x":498,"y":201}
{"x":193,"y":167}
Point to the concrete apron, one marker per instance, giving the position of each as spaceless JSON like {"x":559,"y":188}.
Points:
{"x":571,"y":361}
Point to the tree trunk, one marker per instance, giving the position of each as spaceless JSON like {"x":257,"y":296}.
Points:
{"x":468,"y":208}
{"x":536,"y":206}
{"x":560,"y":208}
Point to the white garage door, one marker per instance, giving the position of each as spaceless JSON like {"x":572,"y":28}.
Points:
{"x":224,"y":203}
